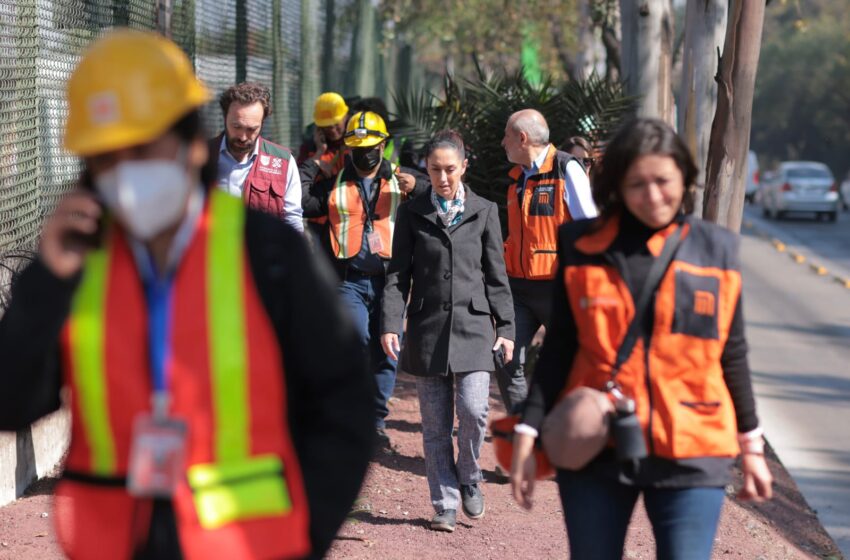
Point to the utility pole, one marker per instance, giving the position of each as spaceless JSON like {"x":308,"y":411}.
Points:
{"x":165,"y":9}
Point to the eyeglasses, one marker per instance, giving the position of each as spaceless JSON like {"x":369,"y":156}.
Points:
{"x":587,"y":162}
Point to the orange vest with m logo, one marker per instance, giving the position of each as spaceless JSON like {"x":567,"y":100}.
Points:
{"x":682,"y":400}
{"x":533,"y":220}
{"x":243,"y":495}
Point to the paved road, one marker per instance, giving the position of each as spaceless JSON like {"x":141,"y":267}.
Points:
{"x":829,"y":241}
{"x":799,"y":327}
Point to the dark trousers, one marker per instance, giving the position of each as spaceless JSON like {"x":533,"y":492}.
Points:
{"x":597,"y":510}
{"x":532,"y":306}
{"x":362,"y":295}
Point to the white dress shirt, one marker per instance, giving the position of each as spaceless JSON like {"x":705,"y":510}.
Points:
{"x":577,"y":193}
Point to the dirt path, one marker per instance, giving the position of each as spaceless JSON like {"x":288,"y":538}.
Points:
{"x":396,"y":526}
{"x":393,"y":525}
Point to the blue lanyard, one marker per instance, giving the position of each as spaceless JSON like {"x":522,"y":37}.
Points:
{"x":158,"y":292}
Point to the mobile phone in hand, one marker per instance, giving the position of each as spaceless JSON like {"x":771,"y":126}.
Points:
{"x":88,"y":240}
{"x":499,"y":356}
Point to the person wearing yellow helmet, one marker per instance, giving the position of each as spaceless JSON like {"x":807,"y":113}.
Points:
{"x":360,"y":204}
{"x":330,"y":117}
{"x":166,"y":307}
{"x":326,"y":149}
{"x":262,"y":173}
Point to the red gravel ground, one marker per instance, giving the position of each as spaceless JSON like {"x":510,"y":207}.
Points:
{"x":395,"y":510}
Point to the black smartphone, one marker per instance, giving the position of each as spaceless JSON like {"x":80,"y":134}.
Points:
{"x":91,"y":240}
{"x":499,"y":356}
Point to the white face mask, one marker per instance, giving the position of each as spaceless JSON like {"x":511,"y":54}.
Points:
{"x":146,"y":196}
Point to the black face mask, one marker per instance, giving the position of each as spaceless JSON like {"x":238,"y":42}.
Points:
{"x":366,"y":159}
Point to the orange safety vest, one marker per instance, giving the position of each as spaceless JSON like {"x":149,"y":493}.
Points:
{"x":531,"y":246}
{"x":348,"y":216}
{"x":336,"y":159}
{"x":682,"y":400}
{"x":243,"y":495}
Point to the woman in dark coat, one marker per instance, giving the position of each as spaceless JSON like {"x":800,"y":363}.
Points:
{"x":448,"y":249}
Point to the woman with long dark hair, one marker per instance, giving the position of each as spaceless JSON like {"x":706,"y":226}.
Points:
{"x":686,"y":380}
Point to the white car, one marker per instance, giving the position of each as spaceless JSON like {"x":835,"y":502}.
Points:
{"x":752,"y":185}
{"x":801,"y":186}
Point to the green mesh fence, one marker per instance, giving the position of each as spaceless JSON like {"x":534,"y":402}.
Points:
{"x":298,"y":48}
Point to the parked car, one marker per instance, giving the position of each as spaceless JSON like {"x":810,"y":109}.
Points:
{"x":752,"y":184}
{"x":801,"y":186}
{"x":844,"y":191}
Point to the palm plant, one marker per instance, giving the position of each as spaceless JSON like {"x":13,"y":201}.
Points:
{"x":479,"y":108}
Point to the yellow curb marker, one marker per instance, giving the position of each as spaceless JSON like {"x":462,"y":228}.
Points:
{"x":797,"y":257}
{"x":819,"y":270}
{"x":843,"y":281}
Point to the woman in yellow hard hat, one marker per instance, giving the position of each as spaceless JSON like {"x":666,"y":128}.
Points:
{"x":160,"y":303}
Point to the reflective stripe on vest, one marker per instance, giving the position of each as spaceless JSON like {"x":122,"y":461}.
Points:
{"x":348,"y":216}
{"x":227,"y":329}
{"x":87,"y":338}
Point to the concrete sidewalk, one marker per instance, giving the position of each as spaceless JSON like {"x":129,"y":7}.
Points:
{"x":798,"y":327}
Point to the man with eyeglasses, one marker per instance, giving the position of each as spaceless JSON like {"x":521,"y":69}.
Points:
{"x":548,"y":187}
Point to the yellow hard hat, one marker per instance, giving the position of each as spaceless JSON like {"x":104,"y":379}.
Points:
{"x":129,"y":88}
{"x":330,"y":109}
{"x":365,"y":129}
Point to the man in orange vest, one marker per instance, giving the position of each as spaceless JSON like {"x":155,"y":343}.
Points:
{"x":548,"y":187}
{"x":208,"y":421}
{"x":360,"y":204}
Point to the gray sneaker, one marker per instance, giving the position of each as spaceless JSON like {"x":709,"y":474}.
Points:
{"x":473,"y":501}
{"x":444,"y":521}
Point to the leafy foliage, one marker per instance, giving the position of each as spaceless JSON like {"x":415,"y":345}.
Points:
{"x":479,"y":108}
{"x":801,"y":107}
{"x":445,"y":30}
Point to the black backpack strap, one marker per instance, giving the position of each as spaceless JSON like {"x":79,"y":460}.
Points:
{"x":653,"y":279}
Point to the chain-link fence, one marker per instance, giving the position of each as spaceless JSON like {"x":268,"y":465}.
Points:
{"x":298,"y":48}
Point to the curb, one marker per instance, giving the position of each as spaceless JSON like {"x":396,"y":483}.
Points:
{"x":796,"y":256}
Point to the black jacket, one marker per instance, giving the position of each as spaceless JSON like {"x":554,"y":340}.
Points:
{"x":329,"y":394}
{"x":459,"y":286}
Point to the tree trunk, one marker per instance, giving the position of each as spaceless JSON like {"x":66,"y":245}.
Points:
{"x":730,"y":134}
{"x":584,"y":60}
{"x":564,"y":55}
{"x":705,"y":28}
{"x":647,"y":55}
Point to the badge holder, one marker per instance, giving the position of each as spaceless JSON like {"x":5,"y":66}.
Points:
{"x":158,"y":452}
{"x":376,"y":245}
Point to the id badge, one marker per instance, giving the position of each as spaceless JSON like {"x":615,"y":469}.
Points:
{"x":375,"y":243}
{"x":157,"y":457}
